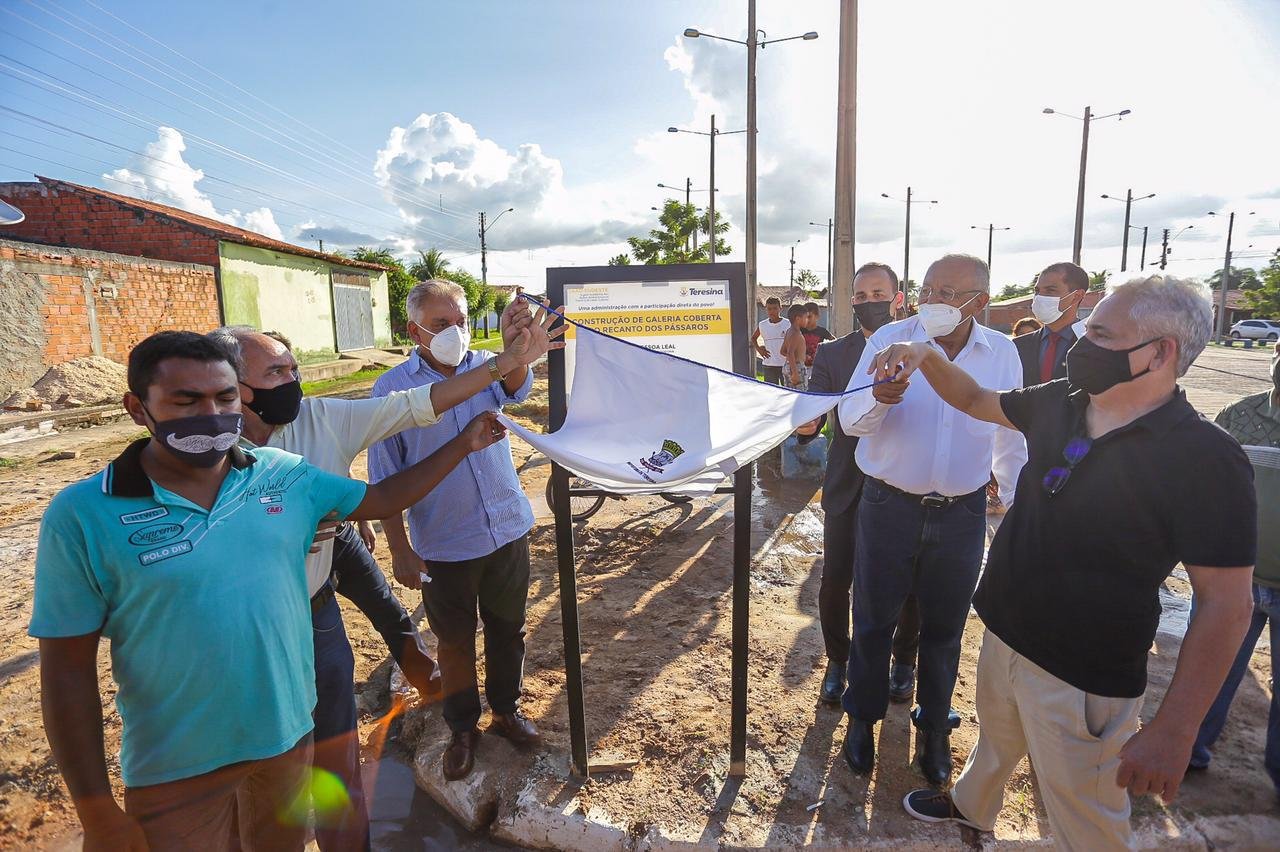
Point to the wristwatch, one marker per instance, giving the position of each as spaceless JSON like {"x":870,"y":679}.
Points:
{"x":494,"y":372}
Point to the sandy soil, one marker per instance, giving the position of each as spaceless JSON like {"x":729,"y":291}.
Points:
{"x":654,"y":585}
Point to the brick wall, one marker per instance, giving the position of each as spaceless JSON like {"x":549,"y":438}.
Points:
{"x":62,"y":303}
{"x":64,"y":217}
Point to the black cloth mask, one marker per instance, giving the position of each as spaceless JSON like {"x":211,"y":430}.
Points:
{"x":278,"y":405}
{"x":202,"y":440}
{"x":873,"y":315}
{"x":1096,"y":370}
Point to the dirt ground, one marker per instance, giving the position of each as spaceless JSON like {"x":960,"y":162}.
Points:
{"x":654,"y":583}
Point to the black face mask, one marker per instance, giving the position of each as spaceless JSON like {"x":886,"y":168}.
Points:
{"x":873,"y":315}
{"x":1096,"y":370}
{"x":276,"y":406}
{"x":200,"y":441}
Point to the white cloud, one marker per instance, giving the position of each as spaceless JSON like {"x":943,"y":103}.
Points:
{"x":439,"y":173}
{"x":164,"y":176}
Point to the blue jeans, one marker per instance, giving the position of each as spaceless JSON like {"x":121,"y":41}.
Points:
{"x":903,"y":547}
{"x":337,"y":744}
{"x":358,"y":578}
{"x":1266,"y":608}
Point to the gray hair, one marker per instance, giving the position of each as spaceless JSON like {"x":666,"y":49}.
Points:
{"x":1164,"y":306}
{"x":436,"y":288}
{"x":229,"y":338}
{"x":981,"y":272}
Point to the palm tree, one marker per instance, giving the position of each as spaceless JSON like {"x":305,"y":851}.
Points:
{"x":432,"y":265}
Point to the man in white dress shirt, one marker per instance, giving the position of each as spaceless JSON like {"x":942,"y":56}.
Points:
{"x":922,"y":517}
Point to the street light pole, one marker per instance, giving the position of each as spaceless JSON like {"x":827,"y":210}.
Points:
{"x":830,"y":226}
{"x":752,"y":38}
{"x":1088,"y":119}
{"x":1142,"y":264}
{"x":711,"y":202}
{"x":792,"y":278}
{"x":991,"y":229}
{"x":1078,"y":238}
{"x":1128,"y":205}
{"x":485,"y":225}
{"x":1226,"y":280}
{"x":906,"y":244}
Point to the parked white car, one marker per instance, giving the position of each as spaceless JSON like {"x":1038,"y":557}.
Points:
{"x":1255,"y":329}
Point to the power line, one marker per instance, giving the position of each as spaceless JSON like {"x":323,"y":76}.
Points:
{"x":153,"y":125}
{"x":135,"y":54}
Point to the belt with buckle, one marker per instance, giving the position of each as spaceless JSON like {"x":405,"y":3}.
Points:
{"x":321,"y":598}
{"x":929,"y":501}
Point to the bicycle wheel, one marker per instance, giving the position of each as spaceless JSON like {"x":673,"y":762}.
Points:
{"x":678,"y":499}
{"x":580,"y":508}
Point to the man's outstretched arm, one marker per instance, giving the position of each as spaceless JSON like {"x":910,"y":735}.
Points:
{"x":956,"y":387}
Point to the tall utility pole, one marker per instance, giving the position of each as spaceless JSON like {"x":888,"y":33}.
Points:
{"x":840,"y":286}
{"x":1088,"y":118}
{"x":792,"y":279}
{"x":991,"y":229}
{"x":830,"y":293}
{"x":1128,"y":205}
{"x":1077,"y":241}
{"x":1142,"y":264}
{"x":711,"y":195}
{"x":906,"y":250}
{"x":753,"y":291}
{"x":1164,"y":249}
{"x":485,"y":225}
{"x":1226,"y":280}
{"x":484,"y":256}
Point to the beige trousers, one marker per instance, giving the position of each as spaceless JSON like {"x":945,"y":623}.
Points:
{"x":238,"y":808}
{"x":1074,"y":740}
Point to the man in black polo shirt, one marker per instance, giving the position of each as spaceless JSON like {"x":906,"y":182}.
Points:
{"x":1124,"y":480}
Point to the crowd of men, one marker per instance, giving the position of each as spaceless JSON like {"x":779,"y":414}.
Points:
{"x":237,"y":517}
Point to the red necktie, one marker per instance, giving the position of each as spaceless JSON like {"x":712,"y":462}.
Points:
{"x":1050,"y":359}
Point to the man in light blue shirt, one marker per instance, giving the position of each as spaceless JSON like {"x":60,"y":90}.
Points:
{"x":470,"y":536}
{"x":189,"y":554}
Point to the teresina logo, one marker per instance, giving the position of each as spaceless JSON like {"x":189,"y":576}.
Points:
{"x":156,"y":534}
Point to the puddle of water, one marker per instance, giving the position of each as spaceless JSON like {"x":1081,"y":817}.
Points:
{"x":405,"y":819}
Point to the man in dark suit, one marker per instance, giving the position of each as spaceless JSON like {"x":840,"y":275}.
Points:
{"x":876,"y":298}
{"x":1059,"y":291}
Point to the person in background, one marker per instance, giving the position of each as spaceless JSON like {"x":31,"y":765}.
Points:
{"x":1106,"y":507}
{"x":922,"y":517}
{"x":814,"y":334}
{"x":1026,"y":325}
{"x":767,"y":340}
{"x":795,"y":373}
{"x":1255,"y":422}
{"x":189,"y":555}
{"x":876,"y":299}
{"x":1060,"y":289}
{"x":469,"y":550}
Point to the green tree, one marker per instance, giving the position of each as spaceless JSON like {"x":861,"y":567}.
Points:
{"x":431,"y":264}
{"x":399,"y":283}
{"x":670,"y":243}
{"x":1242,"y":278}
{"x":1265,"y":298}
{"x":623,"y":259}
{"x":1013,"y":291}
{"x":808,"y":281}
{"x":501,"y":298}
{"x":1098,"y":280}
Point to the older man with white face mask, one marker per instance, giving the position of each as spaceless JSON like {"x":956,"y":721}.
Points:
{"x":921,"y":522}
{"x":1124,"y":482}
{"x":469,"y":541}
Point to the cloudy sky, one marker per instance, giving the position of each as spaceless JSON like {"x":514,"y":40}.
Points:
{"x":395,"y":123}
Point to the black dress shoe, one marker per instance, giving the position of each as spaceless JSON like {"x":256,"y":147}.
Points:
{"x":460,"y":756}
{"x":934,"y":756}
{"x":516,"y":728}
{"x":833,"y":683}
{"x":902,"y":682}
{"x":860,"y":746}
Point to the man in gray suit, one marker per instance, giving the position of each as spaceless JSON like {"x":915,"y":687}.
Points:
{"x":876,"y":299}
{"x":1059,"y":291}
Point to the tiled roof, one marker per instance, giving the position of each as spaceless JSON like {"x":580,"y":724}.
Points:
{"x":212,"y":227}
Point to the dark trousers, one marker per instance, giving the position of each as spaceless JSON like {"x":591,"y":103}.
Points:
{"x":903,"y":546}
{"x":339,"y":824}
{"x":497,"y":586}
{"x":833,"y":595}
{"x":772,"y":375}
{"x":358,"y":578}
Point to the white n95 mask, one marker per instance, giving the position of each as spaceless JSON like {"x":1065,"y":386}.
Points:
{"x":450,"y":346}
{"x":1045,"y":308}
{"x":940,"y":320}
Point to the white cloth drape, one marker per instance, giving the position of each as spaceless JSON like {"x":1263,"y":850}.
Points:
{"x":641,"y":421}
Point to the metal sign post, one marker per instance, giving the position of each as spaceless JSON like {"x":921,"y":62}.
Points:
{"x":735,"y":356}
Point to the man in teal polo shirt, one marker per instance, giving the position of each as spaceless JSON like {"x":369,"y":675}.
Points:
{"x":188,"y":554}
